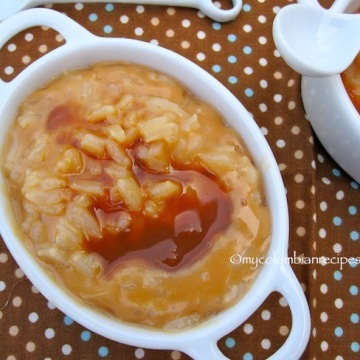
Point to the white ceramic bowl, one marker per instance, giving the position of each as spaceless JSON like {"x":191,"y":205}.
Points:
{"x":331,"y":113}
{"x":200,"y":342}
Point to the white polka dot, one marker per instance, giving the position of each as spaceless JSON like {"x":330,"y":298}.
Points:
{"x":291,"y":83}
{"x":283,"y":330}
{"x":277,"y":98}
{"x":263,"y":84}
{"x":124,"y":19}
{"x":34,"y":290}
{"x":263,"y":62}
{"x":11,"y":47}
{"x":186,"y":23}
{"x":29,"y":37}
{"x":13,"y":330}
{"x":17,"y":301}
{"x":30,"y":347}
{"x":278,"y":120}
{"x":139,"y":353}
{"x":299,"y":178}
{"x":79,"y":6}
{"x":248,"y":70}
{"x":324,"y":288}
{"x":283,"y":302}
{"x":314,"y":332}
{"x":291,"y":105}
{"x":4,"y":258}
{"x":248,"y":329}
{"x":300,"y":231}
{"x":9,"y":70}
{"x":2,"y":285}
{"x":139,"y":31}
{"x":185,"y":44}
{"x":266,"y":315}
{"x":340,"y":195}
{"x":201,"y":35}
{"x":19,"y":273}
{"x":66,"y":349}
{"x":278,"y":75}
{"x":264,"y":130}
{"x":43,"y":48}
{"x":324,"y":316}
{"x":155,"y":21}
{"x":247,"y":28}
{"x":216,"y":47}
{"x":265,"y":344}
{"x":262,"y":19}
{"x":323,"y":206}
{"x":337,"y":248}
{"x":175,"y":355}
{"x":51,"y":306}
{"x":339,"y":303}
{"x":326,"y":181}
{"x":262,"y":40}
{"x":140,"y":9}
{"x":300,"y":204}
{"x":200,"y":56}
{"x":322,"y":233}
{"x":282,"y":167}
{"x":170,"y":33}
{"x":26,"y":59}
{"x":324,"y":346}
{"x":298,"y":154}
{"x":33,"y":317}
{"x":49,"y":333}
{"x":295,"y":130}
{"x":281,"y":143}
{"x":263,"y":107}
{"x":171,"y":11}
{"x":59,"y":38}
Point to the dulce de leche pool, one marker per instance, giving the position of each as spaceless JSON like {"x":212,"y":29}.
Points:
{"x":135,"y":195}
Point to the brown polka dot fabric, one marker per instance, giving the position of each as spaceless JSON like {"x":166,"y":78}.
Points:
{"x":324,"y":202}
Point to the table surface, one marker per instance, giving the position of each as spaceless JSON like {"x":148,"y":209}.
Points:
{"x":324,"y":202}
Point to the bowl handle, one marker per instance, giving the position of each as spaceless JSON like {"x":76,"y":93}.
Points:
{"x":288,"y":285}
{"x":68,"y":28}
{"x":294,"y":346}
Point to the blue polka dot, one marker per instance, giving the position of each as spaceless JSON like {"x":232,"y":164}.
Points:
{"x":354,"y":290}
{"x":232,"y":37}
{"x":337,"y":275}
{"x":230,"y":342}
{"x":103,"y":351}
{"x":353,"y":262}
{"x":216,"y":26}
{"x":249,"y":92}
{"x":336,"y":172}
{"x":352,"y":210}
{"x":109,"y":7}
{"x":216,"y":68}
{"x":246,"y":7}
{"x":247,"y":50}
{"x":354,"y":185}
{"x":233,"y":79}
{"x":248,"y":356}
{"x":354,"y":235}
{"x":85,"y":335}
{"x":108,"y":29}
{"x":354,"y":318}
{"x":337,"y":221}
{"x":93,"y":17}
{"x":232,"y":59}
{"x":339,"y":331}
{"x":68,"y":320}
{"x":355,"y":347}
